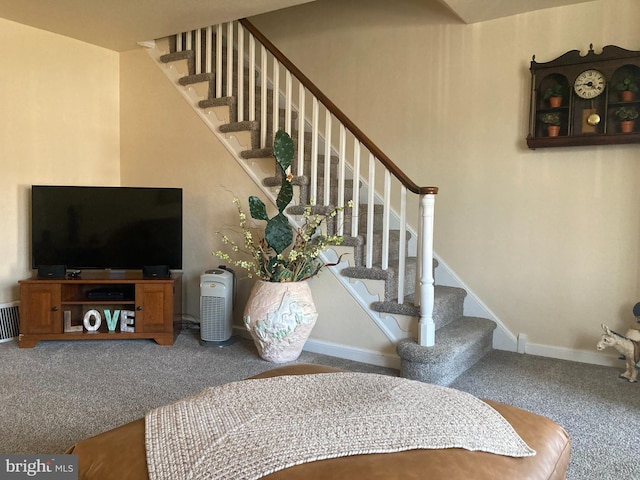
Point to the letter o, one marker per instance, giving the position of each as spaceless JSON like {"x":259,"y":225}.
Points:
{"x":92,"y":327}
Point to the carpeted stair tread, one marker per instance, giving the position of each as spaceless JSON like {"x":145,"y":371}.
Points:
{"x":197,"y":78}
{"x":448,"y":305}
{"x":175,"y":56}
{"x":359,"y":271}
{"x":261,"y":152}
{"x":315,"y":209}
{"x":350,"y":241}
{"x":276,"y":182}
{"x":334,"y":182}
{"x":239,"y":126}
{"x":458,"y":346}
{"x":187,"y":55}
{"x":217,"y":102}
{"x":257,"y":153}
{"x":394,"y":244}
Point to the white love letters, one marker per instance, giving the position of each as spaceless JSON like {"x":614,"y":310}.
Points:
{"x":93,"y":320}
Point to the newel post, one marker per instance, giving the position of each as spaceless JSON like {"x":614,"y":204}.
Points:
{"x":425,"y":289}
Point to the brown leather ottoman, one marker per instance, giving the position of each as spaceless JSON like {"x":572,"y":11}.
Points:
{"x":119,"y":454}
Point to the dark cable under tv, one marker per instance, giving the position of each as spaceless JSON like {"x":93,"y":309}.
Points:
{"x":106,"y":294}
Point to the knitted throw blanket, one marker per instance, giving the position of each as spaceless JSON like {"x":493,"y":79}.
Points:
{"x":248,"y":429}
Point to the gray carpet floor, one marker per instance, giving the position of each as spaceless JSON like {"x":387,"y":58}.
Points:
{"x":60,"y":392}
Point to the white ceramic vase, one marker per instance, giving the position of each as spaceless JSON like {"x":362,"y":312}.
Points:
{"x":279,"y":318}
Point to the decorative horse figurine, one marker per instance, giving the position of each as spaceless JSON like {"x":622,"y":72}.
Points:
{"x":627,"y":347}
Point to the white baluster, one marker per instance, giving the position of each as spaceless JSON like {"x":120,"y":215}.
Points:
{"x":287,"y":115}
{"x":385,"y":218}
{"x":313,"y":193}
{"x":342,"y":167}
{"x":219,"y":61}
{"x":240,"y":68}
{"x":403,"y":243}
{"x":356,"y":188}
{"x":276,"y":95}
{"x":252,"y":78}
{"x":208,"y":49}
{"x":263,"y":97}
{"x":229,"y":89}
{"x":198,"y":51}
{"x":327,"y":157}
{"x":370,"y":209}
{"x":301,"y":127}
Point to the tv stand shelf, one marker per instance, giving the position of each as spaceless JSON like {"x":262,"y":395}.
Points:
{"x":61,"y":309}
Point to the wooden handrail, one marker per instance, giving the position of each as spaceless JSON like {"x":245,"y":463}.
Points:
{"x":336,"y":112}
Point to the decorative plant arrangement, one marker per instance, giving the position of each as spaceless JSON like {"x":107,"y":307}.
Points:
{"x":280,"y":312}
{"x":282,"y":253}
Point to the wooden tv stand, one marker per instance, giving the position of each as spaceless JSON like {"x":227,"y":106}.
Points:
{"x":55,"y":309}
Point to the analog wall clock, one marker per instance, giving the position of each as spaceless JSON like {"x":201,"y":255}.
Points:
{"x":589,"y":84}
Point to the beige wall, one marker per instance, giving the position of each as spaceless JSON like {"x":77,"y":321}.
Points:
{"x":58,"y":125}
{"x":547,"y":239}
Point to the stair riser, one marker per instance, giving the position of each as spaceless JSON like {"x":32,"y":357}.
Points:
{"x":448,"y":307}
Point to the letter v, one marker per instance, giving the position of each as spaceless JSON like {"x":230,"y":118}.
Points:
{"x":112,"y":321}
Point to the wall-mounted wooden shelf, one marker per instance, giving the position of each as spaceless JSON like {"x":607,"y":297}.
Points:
{"x":615,"y":64}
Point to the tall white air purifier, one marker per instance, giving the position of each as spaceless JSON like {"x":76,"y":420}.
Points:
{"x":216,"y":306}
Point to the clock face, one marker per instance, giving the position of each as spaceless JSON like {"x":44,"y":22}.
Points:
{"x":589,"y":84}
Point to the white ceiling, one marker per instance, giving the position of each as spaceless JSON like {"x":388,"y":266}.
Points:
{"x":119,"y":24}
{"x":472,"y":11}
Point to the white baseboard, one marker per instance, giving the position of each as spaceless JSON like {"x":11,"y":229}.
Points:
{"x":352,"y":353}
{"x":582,"y":356}
{"x":393,"y":361}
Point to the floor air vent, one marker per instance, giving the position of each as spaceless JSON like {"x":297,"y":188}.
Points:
{"x":9,"y":321}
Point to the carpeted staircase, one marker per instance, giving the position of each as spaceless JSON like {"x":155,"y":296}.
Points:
{"x":460,"y":341}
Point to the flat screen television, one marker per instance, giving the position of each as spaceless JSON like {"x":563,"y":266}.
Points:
{"x":118,"y":228}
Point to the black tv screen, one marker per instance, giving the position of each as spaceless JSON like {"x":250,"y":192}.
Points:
{"x":120,"y":228}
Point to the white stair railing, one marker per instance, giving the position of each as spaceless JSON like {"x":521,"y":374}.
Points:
{"x":241,"y":54}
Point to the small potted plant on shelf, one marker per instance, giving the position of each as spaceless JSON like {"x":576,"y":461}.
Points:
{"x":627,"y":88}
{"x":552,"y":120}
{"x":554,"y":95}
{"x":627,"y":117}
